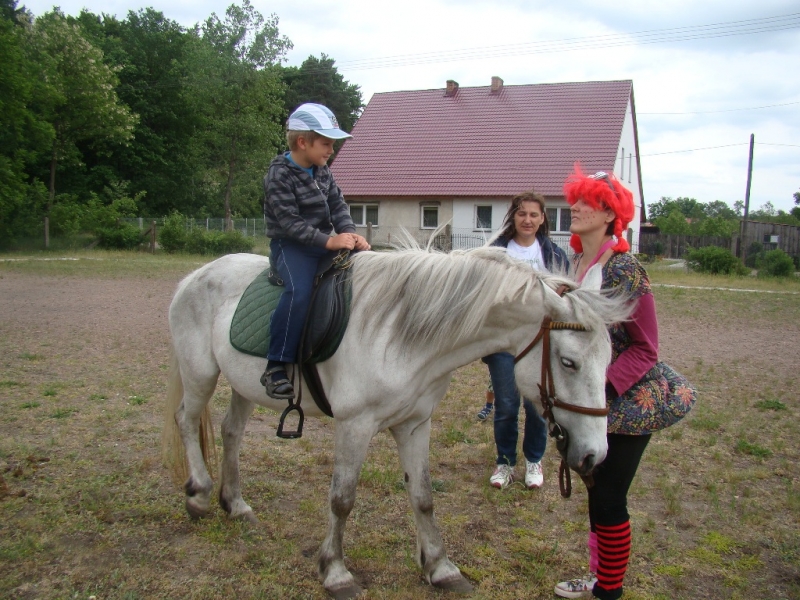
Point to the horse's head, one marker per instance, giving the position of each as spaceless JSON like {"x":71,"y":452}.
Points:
{"x":572,"y":375}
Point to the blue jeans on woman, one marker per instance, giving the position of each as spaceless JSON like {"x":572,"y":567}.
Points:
{"x":506,"y":414}
{"x":296,"y":265}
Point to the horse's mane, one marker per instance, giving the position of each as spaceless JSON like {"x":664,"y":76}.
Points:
{"x":439,"y":297}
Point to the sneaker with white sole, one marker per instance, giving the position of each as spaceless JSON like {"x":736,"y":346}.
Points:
{"x":503,"y":475}
{"x":534,"y":478}
{"x":575,"y":588}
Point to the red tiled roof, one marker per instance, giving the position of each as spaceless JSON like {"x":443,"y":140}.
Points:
{"x":479,"y":143}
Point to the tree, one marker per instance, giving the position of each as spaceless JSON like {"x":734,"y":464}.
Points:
{"x":689,"y":207}
{"x":149,"y":54}
{"x":674,"y":223}
{"x":76,"y":94}
{"x":318,"y":80}
{"x":239,"y":96}
{"x":718,"y":208}
{"x":23,"y":135}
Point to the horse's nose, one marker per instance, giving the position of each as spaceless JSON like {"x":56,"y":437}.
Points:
{"x":587,"y":464}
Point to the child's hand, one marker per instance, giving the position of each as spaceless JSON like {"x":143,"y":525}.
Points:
{"x":341,"y":241}
{"x":361,"y":242}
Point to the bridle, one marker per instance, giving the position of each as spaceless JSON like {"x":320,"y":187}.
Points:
{"x":547,"y":395}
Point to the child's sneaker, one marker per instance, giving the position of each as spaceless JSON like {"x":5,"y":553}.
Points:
{"x":575,"y":588}
{"x":485,"y":412}
{"x":503,"y":475}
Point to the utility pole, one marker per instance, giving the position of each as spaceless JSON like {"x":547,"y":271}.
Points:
{"x":747,"y":199}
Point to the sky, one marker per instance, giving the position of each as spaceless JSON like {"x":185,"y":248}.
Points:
{"x":706,"y":75}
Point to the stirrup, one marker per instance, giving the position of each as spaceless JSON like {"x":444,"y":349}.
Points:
{"x":272,"y":387}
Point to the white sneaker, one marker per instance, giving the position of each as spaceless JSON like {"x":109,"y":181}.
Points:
{"x":575,"y":588}
{"x":534,"y":478}
{"x":503,"y":475}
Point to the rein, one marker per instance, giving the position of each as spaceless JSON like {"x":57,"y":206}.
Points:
{"x":549,"y":400}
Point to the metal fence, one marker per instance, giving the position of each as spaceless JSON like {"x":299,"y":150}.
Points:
{"x":251,"y":227}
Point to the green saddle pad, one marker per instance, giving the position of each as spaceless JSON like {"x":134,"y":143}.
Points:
{"x":250,"y":325}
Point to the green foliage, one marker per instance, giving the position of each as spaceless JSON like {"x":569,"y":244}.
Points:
{"x":674,"y":223}
{"x":174,"y":237}
{"x":121,"y":236}
{"x":775,"y":263}
{"x":172,"y":234}
{"x":318,"y":80}
{"x":714,"y":260}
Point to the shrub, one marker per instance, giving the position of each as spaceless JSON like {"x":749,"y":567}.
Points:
{"x":122,"y":236}
{"x":172,"y":234}
{"x":775,"y":263}
{"x":712,"y":259}
{"x":174,"y":238}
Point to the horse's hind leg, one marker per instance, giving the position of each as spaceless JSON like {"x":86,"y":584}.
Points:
{"x":230,"y":491}
{"x":352,"y":441}
{"x":196,"y":394}
{"x":413,"y":443}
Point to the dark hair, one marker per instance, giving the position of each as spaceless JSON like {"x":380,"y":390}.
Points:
{"x":509,"y":230}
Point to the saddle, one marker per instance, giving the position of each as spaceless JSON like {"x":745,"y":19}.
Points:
{"x":326,"y":322}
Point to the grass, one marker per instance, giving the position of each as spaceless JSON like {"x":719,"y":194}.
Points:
{"x":714,"y":506}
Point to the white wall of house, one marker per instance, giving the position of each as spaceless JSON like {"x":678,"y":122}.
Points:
{"x":626,"y":170}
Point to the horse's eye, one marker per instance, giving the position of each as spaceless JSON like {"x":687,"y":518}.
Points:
{"x":568,"y":363}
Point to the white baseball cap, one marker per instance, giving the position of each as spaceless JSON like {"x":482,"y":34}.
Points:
{"x":316,"y":118}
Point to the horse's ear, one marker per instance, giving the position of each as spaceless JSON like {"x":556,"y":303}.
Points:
{"x":553,"y":303}
{"x":593,"y":280}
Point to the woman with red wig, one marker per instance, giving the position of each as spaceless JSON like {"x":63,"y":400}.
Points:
{"x":643,"y":394}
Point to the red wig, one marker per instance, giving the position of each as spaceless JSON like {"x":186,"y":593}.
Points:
{"x":601,"y":191}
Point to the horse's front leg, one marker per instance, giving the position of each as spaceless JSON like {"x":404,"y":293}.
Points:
{"x":230,"y":490}
{"x":352,"y":441}
{"x":413,"y":444}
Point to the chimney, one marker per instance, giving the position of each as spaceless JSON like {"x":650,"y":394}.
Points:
{"x":497,"y":84}
{"x":452,"y":88}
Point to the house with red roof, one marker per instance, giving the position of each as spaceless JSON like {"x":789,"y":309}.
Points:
{"x":422,"y":159}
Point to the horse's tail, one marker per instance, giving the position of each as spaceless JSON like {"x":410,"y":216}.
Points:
{"x":173,"y":453}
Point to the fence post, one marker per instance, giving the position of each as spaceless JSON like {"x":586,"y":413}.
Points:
{"x":369,"y":233}
{"x":153,"y":238}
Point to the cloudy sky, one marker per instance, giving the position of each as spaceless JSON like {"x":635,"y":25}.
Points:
{"x":706,"y":75}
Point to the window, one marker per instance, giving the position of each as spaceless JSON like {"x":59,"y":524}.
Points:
{"x":559,"y":218}
{"x":430,"y":217}
{"x":483,"y":217}
{"x":566,"y":219}
{"x":364,"y":213}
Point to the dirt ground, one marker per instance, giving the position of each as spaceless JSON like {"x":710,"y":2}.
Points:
{"x":78,"y":345}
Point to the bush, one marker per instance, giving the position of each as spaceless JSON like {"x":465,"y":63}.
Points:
{"x":172,"y":234}
{"x":775,"y":263}
{"x":122,"y":236}
{"x":173,"y":237}
{"x":714,"y":260}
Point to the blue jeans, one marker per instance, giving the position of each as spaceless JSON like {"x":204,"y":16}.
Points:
{"x":506,"y":414}
{"x":296,"y":265}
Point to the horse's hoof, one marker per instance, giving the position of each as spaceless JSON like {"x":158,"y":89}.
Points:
{"x":249,"y":517}
{"x":346,"y":592}
{"x":195,"y":512}
{"x":457,"y":584}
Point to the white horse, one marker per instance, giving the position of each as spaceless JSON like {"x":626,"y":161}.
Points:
{"x":416,"y":316}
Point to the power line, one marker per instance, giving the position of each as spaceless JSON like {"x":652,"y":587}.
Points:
{"x":714,"y":148}
{"x":679,"y":34}
{"x":709,"y":112}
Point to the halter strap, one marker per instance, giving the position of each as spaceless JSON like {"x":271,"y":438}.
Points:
{"x":549,"y":400}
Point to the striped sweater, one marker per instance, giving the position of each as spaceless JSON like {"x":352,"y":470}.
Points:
{"x":301,"y":208}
